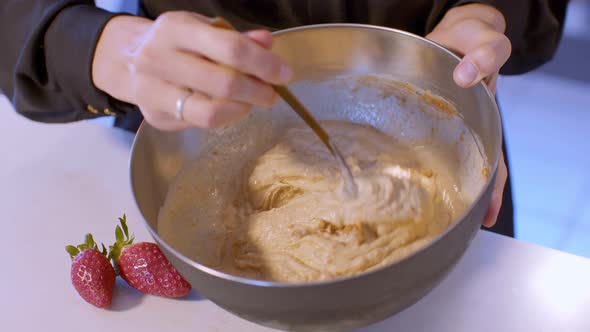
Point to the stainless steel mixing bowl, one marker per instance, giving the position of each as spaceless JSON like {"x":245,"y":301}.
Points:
{"x":319,"y":53}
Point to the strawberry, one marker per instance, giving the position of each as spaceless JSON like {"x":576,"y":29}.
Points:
{"x":144,"y":267}
{"x":92,"y":274}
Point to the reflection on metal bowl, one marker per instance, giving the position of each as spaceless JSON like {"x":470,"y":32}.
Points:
{"x":362,"y":74}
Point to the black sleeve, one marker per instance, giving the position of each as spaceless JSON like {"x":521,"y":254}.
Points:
{"x":47,"y":52}
{"x":534,"y":28}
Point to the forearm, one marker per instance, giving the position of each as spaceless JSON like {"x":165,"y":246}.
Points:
{"x":46,"y":59}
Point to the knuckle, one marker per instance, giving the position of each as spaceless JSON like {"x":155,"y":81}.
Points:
{"x":267,"y":96}
{"x":168,"y":22}
{"x":163,"y":26}
{"x":483,"y":12}
{"x":220,"y":113}
{"x":493,"y":52}
{"x":230,"y":84}
{"x":496,"y":18}
{"x":486,"y":59}
{"x":210,"y":114}
{"x":493,"y":55}
{"x":453,"y":14}
{"x":270,"y":68}
{"x":183,"y":17}
{"x":150,"y":116}
{"x":169,"y":18}
{"x":236,"y":50}
{"x":164,"y":20}
{"x":144,"y":59}
{"x":473,"y":23}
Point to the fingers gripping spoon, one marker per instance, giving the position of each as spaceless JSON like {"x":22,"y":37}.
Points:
{"x":350,"y":186}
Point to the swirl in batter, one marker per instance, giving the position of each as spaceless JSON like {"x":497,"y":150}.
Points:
{"x":291,"y":221}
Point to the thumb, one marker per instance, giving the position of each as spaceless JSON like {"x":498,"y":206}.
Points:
{"x":482,"y":62}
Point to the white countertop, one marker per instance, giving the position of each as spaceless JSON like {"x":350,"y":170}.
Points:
{"x":60,"y":181}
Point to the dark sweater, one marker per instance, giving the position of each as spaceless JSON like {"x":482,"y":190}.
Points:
{"x":47,"y":46}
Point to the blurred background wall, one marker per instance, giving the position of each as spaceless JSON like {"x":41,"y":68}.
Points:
{"x":547,"y":122}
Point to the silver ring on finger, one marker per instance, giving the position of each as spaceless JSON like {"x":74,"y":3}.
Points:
{"x":180,"y":104}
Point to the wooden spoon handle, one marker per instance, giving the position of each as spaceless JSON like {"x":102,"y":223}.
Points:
{"x":288,"y":97}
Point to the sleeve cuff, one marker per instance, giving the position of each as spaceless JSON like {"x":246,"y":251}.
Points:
{"x":70,"y":43}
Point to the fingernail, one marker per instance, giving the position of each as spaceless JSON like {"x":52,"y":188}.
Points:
{"x":286,"y":73}
{"x":466,"y":73}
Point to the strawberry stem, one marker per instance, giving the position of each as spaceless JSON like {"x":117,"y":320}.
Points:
{"x":122,"y":239}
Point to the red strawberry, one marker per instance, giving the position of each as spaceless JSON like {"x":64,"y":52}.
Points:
{"x":144,"y":267}
{"x":92,"y":274}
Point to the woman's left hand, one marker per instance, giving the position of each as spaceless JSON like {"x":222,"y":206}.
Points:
{"x":476,"y":33}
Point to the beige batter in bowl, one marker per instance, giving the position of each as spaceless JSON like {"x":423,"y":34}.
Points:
{"x":282,"y":216}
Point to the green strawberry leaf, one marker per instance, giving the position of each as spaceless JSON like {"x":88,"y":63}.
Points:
{"x":90,"y":241}
{"x":119,"y":234}
{"x":73,"y":251}
{"x":124,"y":225}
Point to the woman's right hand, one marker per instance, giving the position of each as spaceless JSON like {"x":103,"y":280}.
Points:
{"x":153,"y":64}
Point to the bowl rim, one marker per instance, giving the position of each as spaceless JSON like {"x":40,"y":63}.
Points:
{"x":282,"y":284}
